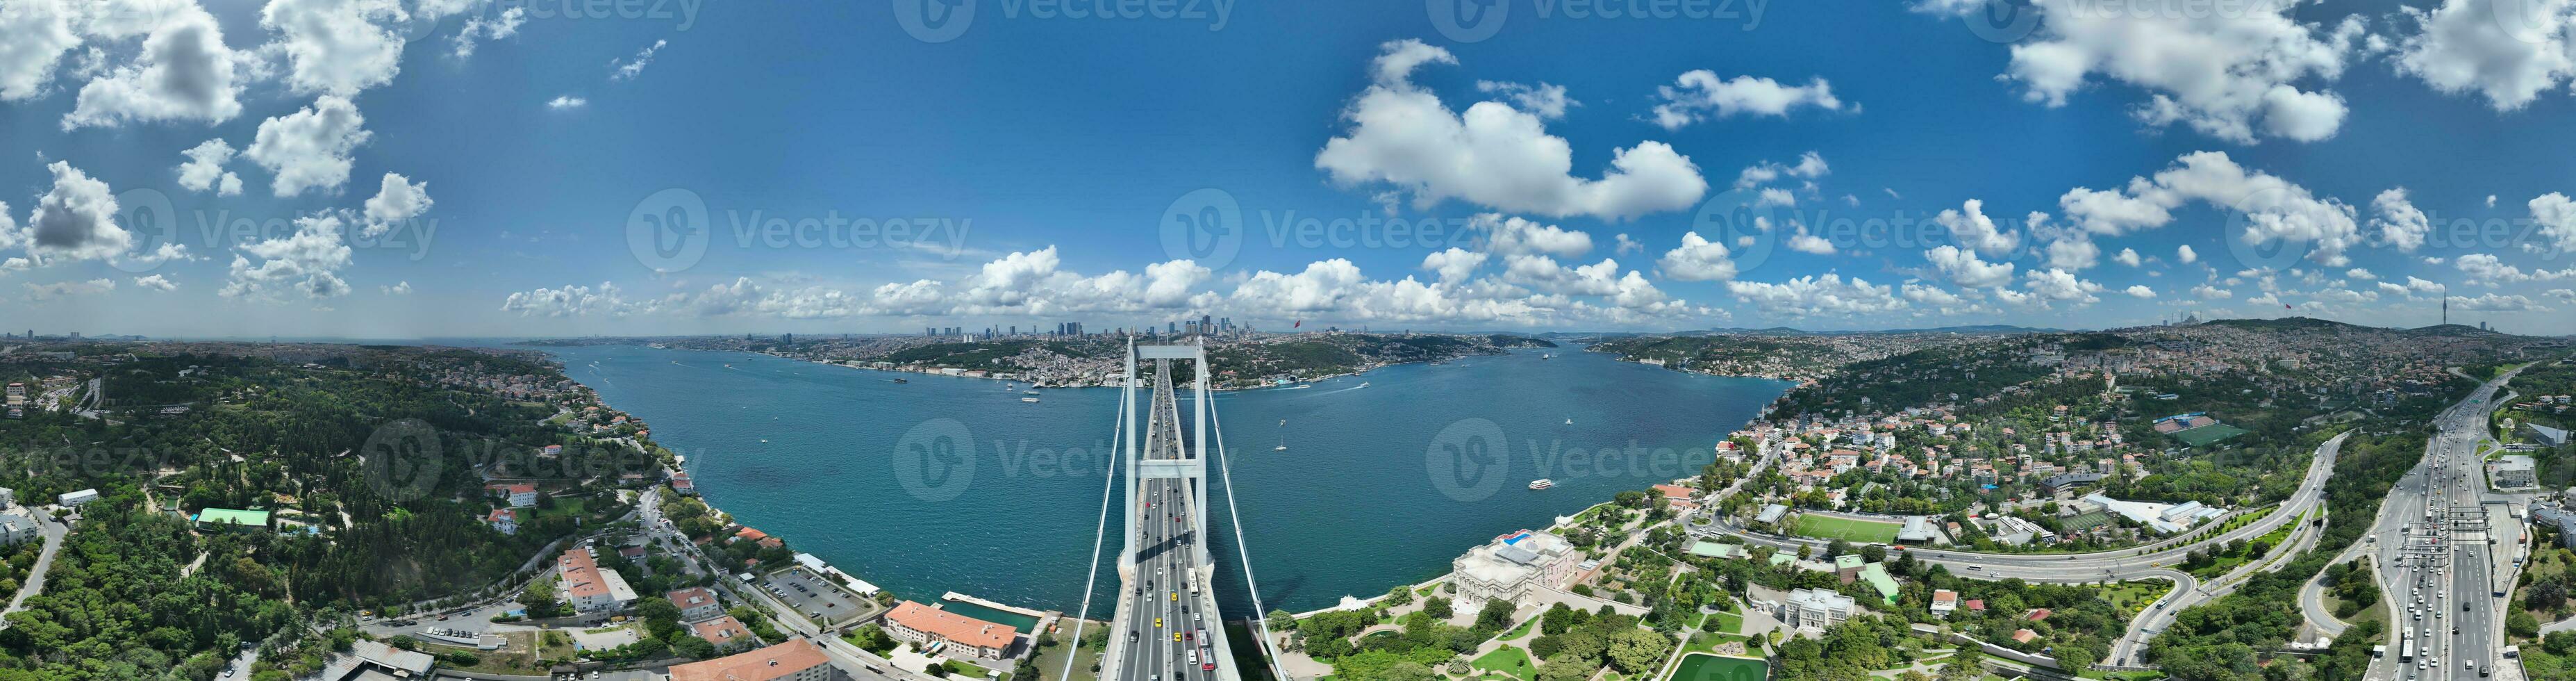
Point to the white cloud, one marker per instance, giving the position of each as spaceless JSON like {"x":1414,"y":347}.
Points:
{"x":2208,"y":292}
{"x":2555,"y":216}
{"x":309,"y":149}
{"x":2060,"y":285}
{"x":2398,"y":222}
{"x":627,"y":69}
{"x":2272,"y":209}
{"x":308,"y":262}
{"x":1810,"y":166}
{"x":336,"y":47}
{"x":155,"y":282}
{"x":1808,"y":243}
{"x":1545,"y":100}
{"x":1516,"y":236}
{"x":2507,"y":50}
{"x":204,"y":169}
{"x":1962,"y":267}
{"x":2228,"y":74}
{"x":2486,"y":268}
{"x":2073,"y":251}
{"x":569,"y":301}
{"x":184,"y":73}
{"x":496,"y":27}
{"x":1815,"y":295}
{"x":400,"y":288}
{"x":65,"y":289}
{"x":2185,"y":254}
{"x":2497,"y":303}
{"x":1697,"y":259}
{"x":561,"y":102}
{"x":2128,"y":256}
{"x":397,"y":199}
{"x":1455,"y":264}
{"x":1493,"y":154}
{"x":76,"y":219}
{"x":34,"y":35}
{"x":1696,"y":94}
{"x":1971,"y":228}
{"x":2140,"y":291}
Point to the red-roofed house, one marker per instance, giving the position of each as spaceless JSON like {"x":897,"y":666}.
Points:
{"x":916,"y":622}
{"x":521,"y":495}
{"x":504,"y":520}
{"x":2038,"y":614}
{"x":2025,"y":636}
{"x":726,"y":632}
{"x":695,"y":603}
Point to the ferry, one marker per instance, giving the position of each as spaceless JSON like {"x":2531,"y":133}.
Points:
{"x":1542,"y":483}
{"x":1028,"y":392}
{"x":1028,"y":399}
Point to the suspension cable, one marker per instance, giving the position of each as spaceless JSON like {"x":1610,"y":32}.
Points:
{"x":1100,"y":535}
{"x":1260,"y":617}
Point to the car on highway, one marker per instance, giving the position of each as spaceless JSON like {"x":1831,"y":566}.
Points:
{"x":1158,"y":623}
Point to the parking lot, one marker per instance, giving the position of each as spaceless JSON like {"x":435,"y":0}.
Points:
{"x":817,"y":598}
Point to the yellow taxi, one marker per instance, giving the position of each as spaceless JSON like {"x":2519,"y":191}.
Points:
{"x":1158,"y":623}
{"x":1176,"y":637}
{"x":1176,"y":596}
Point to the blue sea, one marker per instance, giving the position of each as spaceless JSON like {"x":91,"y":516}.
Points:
{"x":955,"y":484}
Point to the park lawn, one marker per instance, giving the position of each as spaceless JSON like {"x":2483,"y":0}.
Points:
{"x":973,"y":671}
{"x":1730,"y":622}
{"x":1508,"y":660}
{"x":1847,"y":529}
{"x":1704,"y":642}
{"x":1050,"y":660}
{"x":1523,"y":630}
{"x":2130,"y":597}
{"x":518,"y":660}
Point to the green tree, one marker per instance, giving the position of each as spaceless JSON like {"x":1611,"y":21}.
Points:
{"x":1438,"y":607}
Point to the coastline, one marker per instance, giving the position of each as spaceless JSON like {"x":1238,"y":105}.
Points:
{"x":682,"y":466}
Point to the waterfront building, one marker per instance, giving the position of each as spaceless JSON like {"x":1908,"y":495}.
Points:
{"x":795,"y":660}
{"x":1509,"y":567}
{"x":935,"y":627}
{"x":588,"y":588}
{"x":1815,"y":609}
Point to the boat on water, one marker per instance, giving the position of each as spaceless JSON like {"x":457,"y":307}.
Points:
{"x":1028,"y":399}
{"x":1283,"y":437}
{"x":1364,"y":384}
{"x":1569,"y":422}
{"x":1546,"y":356}
{"x":1028,"y":392}
{"x":1542,"y":483}
{"x":903,"y":380}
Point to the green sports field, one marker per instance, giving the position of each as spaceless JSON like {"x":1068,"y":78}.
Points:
{"x":1822,"y":527}
{"x":2208,"y":435}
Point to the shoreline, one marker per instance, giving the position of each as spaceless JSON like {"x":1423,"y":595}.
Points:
{"x":680,"y":466}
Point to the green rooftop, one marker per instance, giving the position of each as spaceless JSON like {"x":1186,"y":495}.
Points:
{"x":226,"y":516}
{"x":1876,"y":575}
{"x":1709,"y":549}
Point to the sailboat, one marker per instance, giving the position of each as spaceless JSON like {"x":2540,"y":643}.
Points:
{"x":1283,"y":437}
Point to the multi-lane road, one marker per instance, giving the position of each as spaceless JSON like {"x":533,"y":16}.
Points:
{"x":1166,"y":614}
{"x":2189,"y":593}
{"x":2434,"y":548}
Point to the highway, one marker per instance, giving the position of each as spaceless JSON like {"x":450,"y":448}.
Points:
{"x":2188,"y":594}
{"x":1165,"y":612}
{"x":2430,"y":547}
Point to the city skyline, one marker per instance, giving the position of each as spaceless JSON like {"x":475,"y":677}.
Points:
{"x":475,"y":168}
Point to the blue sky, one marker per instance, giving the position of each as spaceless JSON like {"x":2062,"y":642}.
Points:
{"x":375,"y":168}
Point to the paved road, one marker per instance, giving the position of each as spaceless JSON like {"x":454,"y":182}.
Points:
{"x":53,"y":531}
{"x":1165,"y":622}
{"x":2161,"y":615}
{"x":2437,"y":572}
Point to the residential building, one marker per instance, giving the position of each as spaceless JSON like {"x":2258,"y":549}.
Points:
{"x":16,"y":528}
{"x":960,"y":634}
{"x":69,"y":499}
{"x":1944,"y":601}
{"x":695,"y":603}
{"x":1510,"y":567}
{"x":1815,"y":609}
{"x":520,"y":495}
{"x":588,"y":588}
{"x":795,"y":660}
{"x":8,"y":497}
{"x":503,"y":520}
{"x":726,"y":632}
